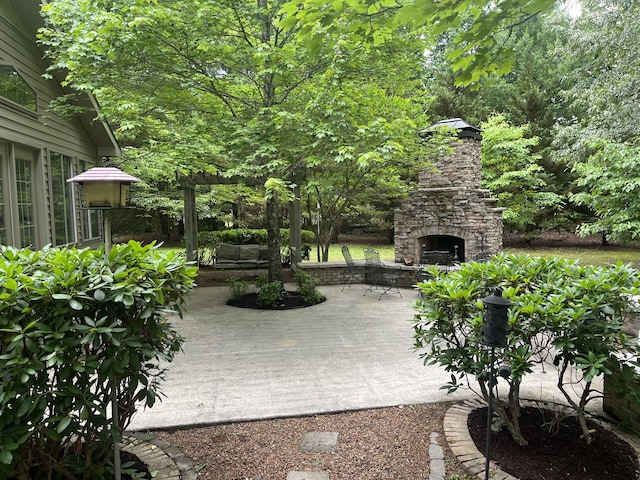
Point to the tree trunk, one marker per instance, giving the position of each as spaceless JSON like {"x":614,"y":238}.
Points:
{"x":510,"y":417}
{"x":512,"y":422}
{"x":273,"y":239}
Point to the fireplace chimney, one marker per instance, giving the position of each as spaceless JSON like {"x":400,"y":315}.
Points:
{"x":449,"y":210}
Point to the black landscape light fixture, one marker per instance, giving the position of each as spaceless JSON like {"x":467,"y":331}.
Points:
{"x":495,"y":317}
{"x":494,"y":335}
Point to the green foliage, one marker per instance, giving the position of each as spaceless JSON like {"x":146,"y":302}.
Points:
{"x":307,"y":284}
{"x":363,"y":134}
{"x":603,"y":84}
{"x":271,"y":293}
{"x":78,"y":328}
{"x":262,"y":280}
{"x":480,"y":27}
{"x":600,"y":137}
{"x":455,"y":476}
{"x":511,"y":172}
{"x":238,"y":287}
{"x":609,"y":177}
{"x":231,"y":90}
{"x":563,"y":315}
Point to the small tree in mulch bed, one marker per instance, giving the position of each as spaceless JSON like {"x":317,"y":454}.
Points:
{"x":273,"y":295}
{"x":564,"y":315}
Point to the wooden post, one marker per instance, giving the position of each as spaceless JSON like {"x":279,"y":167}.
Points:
{"x":190,"y":222}
{"x":295,"y":228}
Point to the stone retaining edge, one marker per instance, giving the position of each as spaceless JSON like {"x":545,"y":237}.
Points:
{"x":160,"y":456}
{"x":462,"y":445}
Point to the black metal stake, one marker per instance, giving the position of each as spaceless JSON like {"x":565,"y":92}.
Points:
{"x":487,"y":452}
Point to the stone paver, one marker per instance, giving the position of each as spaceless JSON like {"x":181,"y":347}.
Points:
{"x":318,"y":442}
{"x":308,"y":476}
{"x":348,"y":353}
{"x":436,"y":457}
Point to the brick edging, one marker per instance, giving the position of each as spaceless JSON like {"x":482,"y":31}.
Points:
{"x":456,"y":432}
{"x":160,"y":456}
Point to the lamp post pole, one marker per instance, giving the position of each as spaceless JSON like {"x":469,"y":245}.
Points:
{"x":487,"y":451}
{"x":106,"y":226}
{"x":106,"y":188}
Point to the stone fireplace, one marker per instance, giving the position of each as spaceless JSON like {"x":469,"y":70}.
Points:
{"x":449,"y":211}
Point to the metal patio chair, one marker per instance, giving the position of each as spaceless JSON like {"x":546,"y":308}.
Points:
{"x":377,"y":278}
{"x":441,"y":258}
{"x":351,"y":266}
{"x":482,"y":257}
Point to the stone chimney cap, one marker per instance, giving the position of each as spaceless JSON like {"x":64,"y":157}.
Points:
{"x":464,"y":129}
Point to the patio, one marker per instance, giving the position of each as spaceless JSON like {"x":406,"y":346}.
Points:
{"x":348,"y":353}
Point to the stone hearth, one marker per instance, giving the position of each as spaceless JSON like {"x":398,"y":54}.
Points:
{"x":449,"y":211}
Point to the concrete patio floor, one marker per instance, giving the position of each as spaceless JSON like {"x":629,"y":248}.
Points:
{"x":350,"y":352}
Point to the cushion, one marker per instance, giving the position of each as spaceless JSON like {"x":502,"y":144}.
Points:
{"x":249,"y":252}
{"x":226,"y":252}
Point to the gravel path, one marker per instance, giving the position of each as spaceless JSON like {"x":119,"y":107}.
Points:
{"x":381,"y":444}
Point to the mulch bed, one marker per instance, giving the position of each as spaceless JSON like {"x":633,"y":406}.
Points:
{"x":556,"y":457}
{"x":290,"y":300}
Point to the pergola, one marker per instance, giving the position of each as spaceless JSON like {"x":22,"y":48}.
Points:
{"x":189,"y":183}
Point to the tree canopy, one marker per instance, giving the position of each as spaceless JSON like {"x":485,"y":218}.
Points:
{"x":511,"y":172}
{"x":318,"y":94}
{"x":600,"y":141}
{"x":230,"y":87}
{"x":480,"y":28}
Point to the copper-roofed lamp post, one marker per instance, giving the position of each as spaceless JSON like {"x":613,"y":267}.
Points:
{"x":106,"y":188}
{"x":494,"y":335}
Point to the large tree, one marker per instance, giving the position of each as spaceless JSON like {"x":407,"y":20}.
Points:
{"x":480,"y":29}
{"x":363,"y":133}
{"x":601,"y":138}
{"x":511,"y":172}
{"x":227,"y":86}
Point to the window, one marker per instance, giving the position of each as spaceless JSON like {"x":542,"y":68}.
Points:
{"x":3,"y":225}
{"x":90,"y":218}
{"x":25,"y":202}
{"x":61,"y":198}
{"x":13,"y":87}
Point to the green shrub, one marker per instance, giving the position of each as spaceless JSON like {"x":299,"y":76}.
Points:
{"x":238,"y":287}
{"x":262,"y":280}
{"x":565,"y":315}
{"x":78,"y":328}
{"x":307,"y":284}
{"x":271,"y":293}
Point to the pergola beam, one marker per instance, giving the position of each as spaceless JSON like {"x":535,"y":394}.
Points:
{"x":189,"y":183}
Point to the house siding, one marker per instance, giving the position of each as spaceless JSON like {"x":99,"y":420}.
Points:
{"x":38,"y":133}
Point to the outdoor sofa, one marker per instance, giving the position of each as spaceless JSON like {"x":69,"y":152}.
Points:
{"x":241,"y":256}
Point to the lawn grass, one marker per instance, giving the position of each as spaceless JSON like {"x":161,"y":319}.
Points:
{"x":592,"y":255}
{"x":602,"y":256}
{"x":387,"y":252}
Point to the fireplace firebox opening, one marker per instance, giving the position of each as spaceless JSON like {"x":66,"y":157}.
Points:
{"x":444,"y":243}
